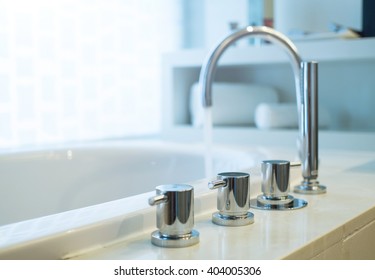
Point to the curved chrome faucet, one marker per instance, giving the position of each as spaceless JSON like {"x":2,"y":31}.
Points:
{"x":305,"y":77}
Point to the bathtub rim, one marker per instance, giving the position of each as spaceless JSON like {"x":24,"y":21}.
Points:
{"x":17,"y":236}
{"x":161,"y":147}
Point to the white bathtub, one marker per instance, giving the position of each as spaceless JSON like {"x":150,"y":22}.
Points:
{"x":45,"y":182}
{"x":121,"y":228}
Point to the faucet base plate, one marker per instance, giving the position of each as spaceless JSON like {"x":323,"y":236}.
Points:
{"x":233,"y":220}
{"x":175,"y":241}
{"x":310,"y":187}
{"x":296,"y":203}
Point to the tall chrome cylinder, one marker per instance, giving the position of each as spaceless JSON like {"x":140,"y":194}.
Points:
{"x":309,"y":129}
{"x":310,"y":118}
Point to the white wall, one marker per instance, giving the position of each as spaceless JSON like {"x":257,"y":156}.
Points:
{"x":218,"y":15}
{"x":207,"y":21}
{"x":82,"y":69}
{"x":315,"y":15}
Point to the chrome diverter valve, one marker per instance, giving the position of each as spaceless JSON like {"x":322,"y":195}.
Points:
{"x":275,"y":188}
{"x":175,"y":216}
{"x":233,"y":199}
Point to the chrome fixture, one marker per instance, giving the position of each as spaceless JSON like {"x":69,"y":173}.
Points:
{"x":174,"y":216}
{"x":275,"y":188}
{"x":305,"y":77}
{"x":233,"y":199}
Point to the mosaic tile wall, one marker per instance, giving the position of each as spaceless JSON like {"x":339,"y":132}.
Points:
{"x":82,"y":69}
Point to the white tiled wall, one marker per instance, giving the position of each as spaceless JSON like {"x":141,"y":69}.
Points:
{"x":82,"y":69}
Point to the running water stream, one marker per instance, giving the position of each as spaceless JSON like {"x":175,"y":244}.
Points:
{"x":207,"y":139}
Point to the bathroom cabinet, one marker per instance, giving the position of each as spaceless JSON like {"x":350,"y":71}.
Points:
{"x":346,"y":83}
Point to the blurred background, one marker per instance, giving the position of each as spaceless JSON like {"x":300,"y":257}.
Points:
{"x":75,"y":70}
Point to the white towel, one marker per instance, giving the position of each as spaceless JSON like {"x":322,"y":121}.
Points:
{"x":284,"y":115}
{"x":233,"y":103}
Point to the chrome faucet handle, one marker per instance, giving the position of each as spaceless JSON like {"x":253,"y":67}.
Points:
{"x":233,"y":199}
{"x":156,"y":200}
{"x":275,"y":187}
{"x":174,"y":216}
{"x":216,"y":184}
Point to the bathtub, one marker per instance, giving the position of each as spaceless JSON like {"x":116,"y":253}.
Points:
{"x":121,"y":228}
{"x":44,"y":182}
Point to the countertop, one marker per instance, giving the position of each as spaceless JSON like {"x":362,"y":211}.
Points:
{"x":333,"y":225}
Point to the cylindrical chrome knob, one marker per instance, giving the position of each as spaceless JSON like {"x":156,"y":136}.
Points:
{"x":275,"y":187}
{"x":175,"y":216}
{"x":275,"y":180}
{"x":233,"y":199}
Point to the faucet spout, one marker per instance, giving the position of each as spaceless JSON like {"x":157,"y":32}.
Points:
{"x":209,"y":66}
{"x":305,"y":77}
